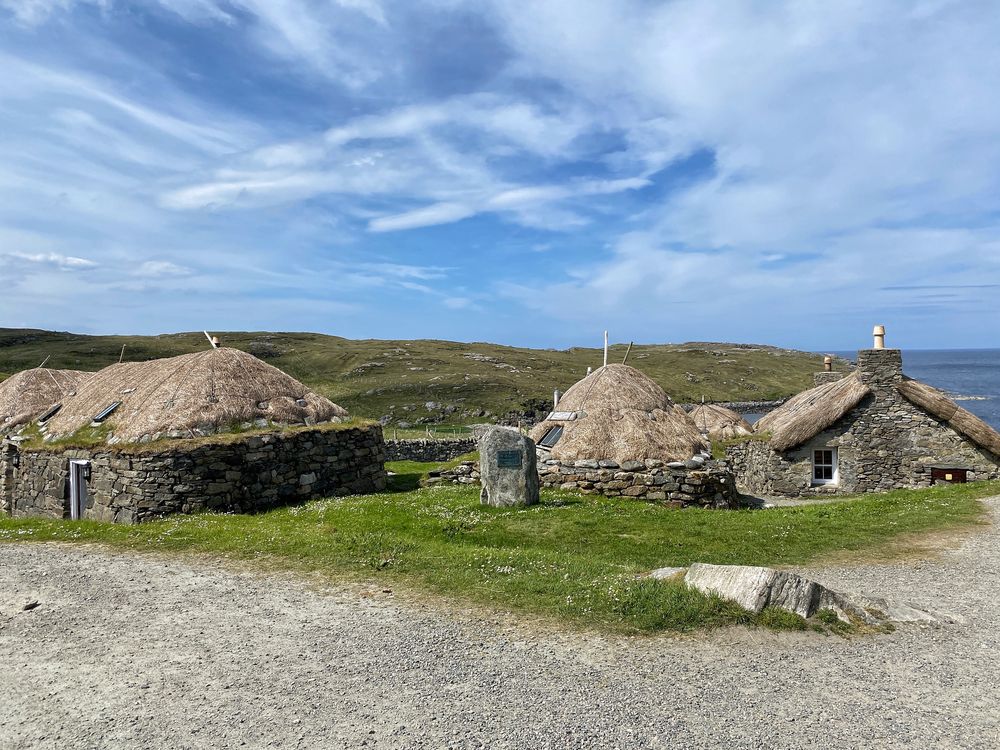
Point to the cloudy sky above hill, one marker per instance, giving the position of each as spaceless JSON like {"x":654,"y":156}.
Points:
{"x":520,"y":172}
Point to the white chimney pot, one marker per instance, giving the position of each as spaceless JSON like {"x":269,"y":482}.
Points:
{"x":879,"y":334}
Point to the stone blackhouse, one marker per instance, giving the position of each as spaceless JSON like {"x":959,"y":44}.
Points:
{"x":871,"y":430}
{"x":130,"y":484}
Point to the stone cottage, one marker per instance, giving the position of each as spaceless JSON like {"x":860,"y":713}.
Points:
{"x":870,"y":430}
{"x":214,"y":430}
{"x":617,"y":433}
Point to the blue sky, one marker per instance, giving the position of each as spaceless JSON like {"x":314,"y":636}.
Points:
{"x":525,"y":173}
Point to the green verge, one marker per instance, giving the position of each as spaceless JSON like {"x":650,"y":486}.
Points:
{"x":573,"y":558}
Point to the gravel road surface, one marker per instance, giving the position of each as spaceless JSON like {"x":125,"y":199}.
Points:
{"x":131,"y":651}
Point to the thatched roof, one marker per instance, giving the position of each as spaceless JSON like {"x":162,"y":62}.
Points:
{"x":810,"y":412}
{"x":28,"y":394}
{"x":621,"y":415}
{"x":718,"y":422}
{"x":193,"y":394}
{"x":961,"y":420}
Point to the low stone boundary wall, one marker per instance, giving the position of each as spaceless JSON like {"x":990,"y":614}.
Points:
{"x":245,"y":475}
{"x":466,"y":472}
{"x":428,"y":450}
{"x":705,"y":483}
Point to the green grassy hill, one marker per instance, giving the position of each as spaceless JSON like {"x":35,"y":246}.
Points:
{"x":445,"y":382}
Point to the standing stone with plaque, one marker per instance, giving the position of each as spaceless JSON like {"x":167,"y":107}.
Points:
{"x":507,"y":467}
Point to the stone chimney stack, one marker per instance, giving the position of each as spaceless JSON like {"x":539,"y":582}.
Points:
{"x":828,"y":375}
{"x":878,"y":365}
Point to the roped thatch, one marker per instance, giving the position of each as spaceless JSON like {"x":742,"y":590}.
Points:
{"x":961,"y":420}
{"x":621,"y":415}
{"x":29,"y":393}
{"x":810,"y":412}
{"x":194,"y":394}
{"x":718,"y":422}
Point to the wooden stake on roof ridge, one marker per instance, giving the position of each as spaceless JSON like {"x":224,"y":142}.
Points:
{"x":122,"y":355}
{"x":627,"y":351}
{"x":43,"y":363}
{"x":605,"y":348}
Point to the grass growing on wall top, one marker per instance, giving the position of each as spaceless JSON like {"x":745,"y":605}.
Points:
{"x":97,"y":437}
{"x":572,"y":558}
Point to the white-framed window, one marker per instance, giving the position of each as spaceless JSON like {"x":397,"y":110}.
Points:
{"x":825,"y":466}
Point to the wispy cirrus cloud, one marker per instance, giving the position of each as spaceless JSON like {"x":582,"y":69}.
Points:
{"x":692,"y":169}
{"x":47,"y":260}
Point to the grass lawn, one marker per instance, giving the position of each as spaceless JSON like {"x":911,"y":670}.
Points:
{"x":572,"y":558}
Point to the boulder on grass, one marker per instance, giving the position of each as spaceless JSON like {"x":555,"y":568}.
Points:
{"x":755,"y":588}
{"x":508,"y":470}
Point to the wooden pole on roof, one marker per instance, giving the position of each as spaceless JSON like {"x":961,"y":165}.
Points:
{"x":627,"y":351}
{"x":122,"y":355}
{"x":43,"y":362}
{"x":605,"y":348}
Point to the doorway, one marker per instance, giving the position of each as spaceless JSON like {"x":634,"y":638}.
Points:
{"x":79,"y":473}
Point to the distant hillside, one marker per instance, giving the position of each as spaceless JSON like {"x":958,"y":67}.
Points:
{"x":445,"y":382}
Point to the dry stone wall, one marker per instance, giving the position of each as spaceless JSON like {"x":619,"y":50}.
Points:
{"x":428,"y":450}
{"x":701,"y":482}
{"x":248,"y":475}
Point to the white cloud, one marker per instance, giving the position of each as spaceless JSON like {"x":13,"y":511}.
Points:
{"x":323,"y":35}
{"x":439,"y":213}
{"x":49,"y":260}
{"x":157,"y":269}
{"x":821,"y":117}
{"x":441,"y":154}
{"x":33,"y":12}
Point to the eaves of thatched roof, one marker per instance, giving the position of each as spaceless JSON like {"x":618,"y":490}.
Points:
{"x":937,"y":404}
{"x":809,"y":413}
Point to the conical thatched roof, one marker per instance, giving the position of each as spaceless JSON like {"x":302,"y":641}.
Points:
{"x":193,"y":394}
{"x":961,"y":420}
{"x":810,"y":412}
{"x":29,"y":393}
{"x":718,"y":422}
{"x":621,"y":415}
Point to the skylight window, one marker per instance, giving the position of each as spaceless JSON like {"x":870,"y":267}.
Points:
{"x":107,"y":412}
{"x":49,"y":413}
{"x":551,"y":437}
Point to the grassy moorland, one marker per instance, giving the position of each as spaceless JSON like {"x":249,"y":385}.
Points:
{"x":572,"y":558}
{"x":418,"y":382}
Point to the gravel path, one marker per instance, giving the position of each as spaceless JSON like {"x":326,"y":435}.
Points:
{"x":134,"y":651}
